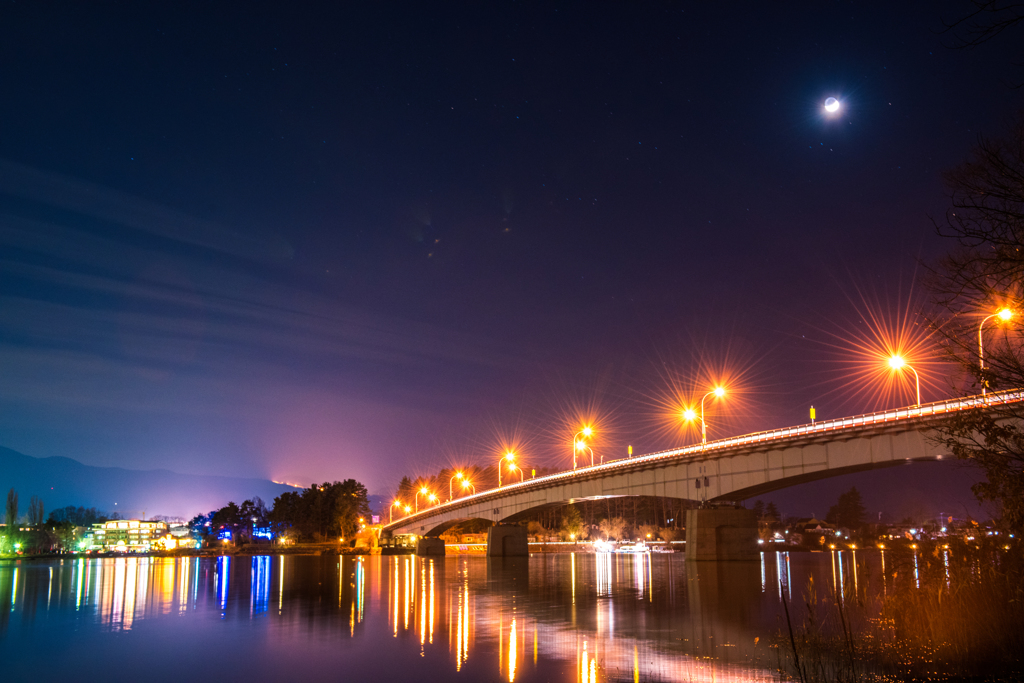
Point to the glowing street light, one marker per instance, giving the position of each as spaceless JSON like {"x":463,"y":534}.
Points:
{"x":511,"y":457}
{"x":422,"y":492}
{"x":433,"y":499}
{"x":582,"y":446}
{"x":513,"y":468}
{"x":578,"y":444}
{"x":1003,"y":315}
{"x":690,"y":414}
{"x":457,"y":475}
{"x":396,"y":504}
{"x":407,"y":510}
{"x":466,"y":483}
{"x":897,"y":363}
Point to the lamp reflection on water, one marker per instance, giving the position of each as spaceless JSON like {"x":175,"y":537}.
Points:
{"x":512,"y":652}
{"x":259,"y":591}
{"x":429,"y":600}
{"x":222,"y":580}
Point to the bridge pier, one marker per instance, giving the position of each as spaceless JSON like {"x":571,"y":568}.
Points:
{"x":429,"y":545}
{"x":507,"y":540}
{"x":721,"y":534}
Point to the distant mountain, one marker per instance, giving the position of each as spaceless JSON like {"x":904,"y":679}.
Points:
{"x":60,"y":482}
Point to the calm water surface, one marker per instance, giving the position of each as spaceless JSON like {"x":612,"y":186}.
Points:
{"x":566,"y":617}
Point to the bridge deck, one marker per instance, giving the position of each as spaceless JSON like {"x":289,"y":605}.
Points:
{"x":837,"y":429}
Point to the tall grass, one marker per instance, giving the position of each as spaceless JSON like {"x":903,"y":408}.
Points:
{"x":957,"y":613}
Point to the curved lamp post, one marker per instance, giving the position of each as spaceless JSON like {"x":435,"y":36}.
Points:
{"x":396,"y":504}
{"x":422,"y":492}
{"x":718,"y":392}
{"x":466,"y":483}
{"x":511,"y":457}
{"x":582,"y":446}
{"x":513,"y":468}
{"x":458,"y":475}
{"x":1003,"y":315}
{"x":897,"y":363}
{"x":576,"y":441}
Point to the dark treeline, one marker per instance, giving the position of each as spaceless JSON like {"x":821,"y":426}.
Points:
{"x":58,"y":533}
{"x":79,"y":516}
{"x":319,"y":513}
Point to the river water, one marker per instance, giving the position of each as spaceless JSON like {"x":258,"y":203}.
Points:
{"x":558,"y":617}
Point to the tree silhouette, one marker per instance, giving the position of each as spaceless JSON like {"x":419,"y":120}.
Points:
{"x":984,"y":273}
{"x":12,"y":508}
{"x":848,"y":512}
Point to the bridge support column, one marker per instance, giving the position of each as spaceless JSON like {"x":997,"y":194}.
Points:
{"x":429,"y":545}
{"x":507,"y":541}
{"x":721,"y":534}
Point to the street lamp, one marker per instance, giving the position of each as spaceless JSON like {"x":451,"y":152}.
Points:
{"x":897,"y":363}
{"x":512,"y":468}
{"x":396,"y":504}
{"x":511,"y":457}
{"x":718,"y":392}
{"x":433,"y":499}
{"x":422,"y":492}
{"x":582,"y":446}
{"x":457,"y":475}
{"x":1003,"y":315}
{"x":466,"y":483}
{"x":576,"y":443}
{"x":690,"y":414}
{"x":407,"y":510}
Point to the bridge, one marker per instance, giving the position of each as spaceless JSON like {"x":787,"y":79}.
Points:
{"x":730,"y":469}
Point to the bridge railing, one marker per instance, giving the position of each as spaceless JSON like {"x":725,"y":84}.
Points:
{"x":946,"y":406}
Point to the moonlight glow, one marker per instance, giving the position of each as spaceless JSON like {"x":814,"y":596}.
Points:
{"x":831,"y":105}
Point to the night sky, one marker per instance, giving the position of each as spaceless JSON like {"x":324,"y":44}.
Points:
{"x":373,"y":239}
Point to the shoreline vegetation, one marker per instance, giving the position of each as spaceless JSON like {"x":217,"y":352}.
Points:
{"x":944,"y":612}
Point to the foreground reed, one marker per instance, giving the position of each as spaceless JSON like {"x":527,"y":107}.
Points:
{"x":943,"y":612}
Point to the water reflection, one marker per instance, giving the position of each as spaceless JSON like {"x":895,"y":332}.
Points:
{"x":603,"y":616}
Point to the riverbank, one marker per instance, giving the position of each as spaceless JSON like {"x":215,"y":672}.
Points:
{"x":247,"y":550}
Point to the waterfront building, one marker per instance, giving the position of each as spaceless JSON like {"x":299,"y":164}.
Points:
{"x":125,"y":535}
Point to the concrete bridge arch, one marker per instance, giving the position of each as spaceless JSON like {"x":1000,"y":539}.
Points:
{"x":719,"y":474}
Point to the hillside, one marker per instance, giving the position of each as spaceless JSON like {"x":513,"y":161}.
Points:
{"x":62,"y":481}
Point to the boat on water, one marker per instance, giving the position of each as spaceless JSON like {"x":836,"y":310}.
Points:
{"x":663,"y":549}
{"x":638,"y":547}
